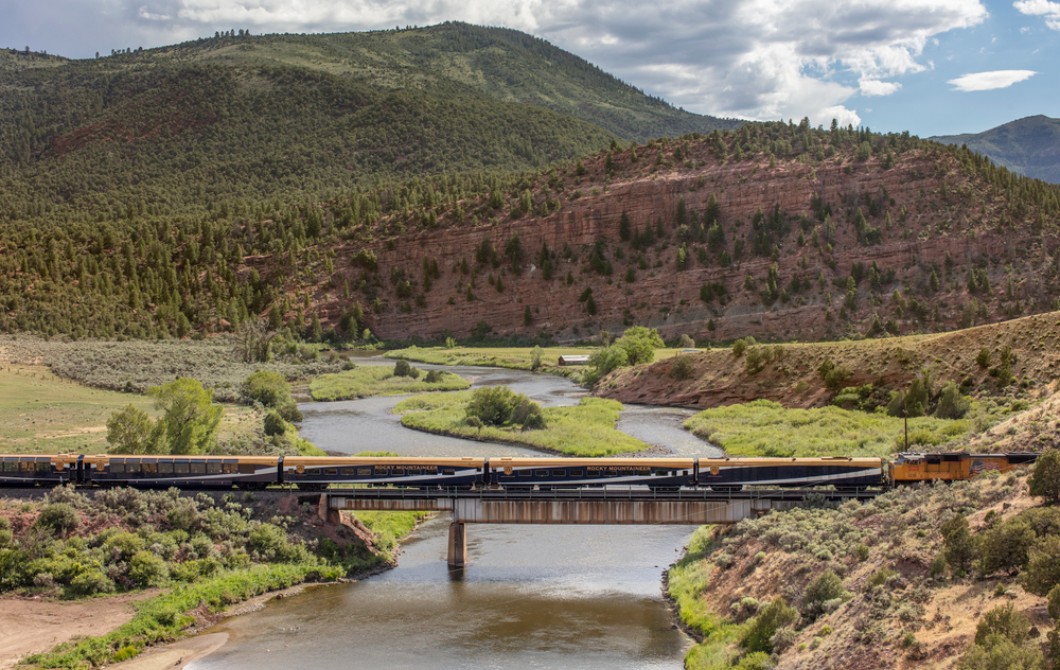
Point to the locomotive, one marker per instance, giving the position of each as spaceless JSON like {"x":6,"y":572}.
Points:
{"x":316,"y":473}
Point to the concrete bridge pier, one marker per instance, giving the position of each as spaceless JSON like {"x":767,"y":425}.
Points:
{"x":457,"y":555}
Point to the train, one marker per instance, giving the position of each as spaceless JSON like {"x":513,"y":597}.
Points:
{"x":513,"y":473}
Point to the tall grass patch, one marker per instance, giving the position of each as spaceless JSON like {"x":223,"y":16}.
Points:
{"x":365,"y":381}
{"x":766,"y":428}
{"x":587,"y":429}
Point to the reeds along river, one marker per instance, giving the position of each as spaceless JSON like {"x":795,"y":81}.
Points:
{"x":581,"y":597}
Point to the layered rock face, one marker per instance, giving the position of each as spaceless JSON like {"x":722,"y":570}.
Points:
{"x":801,"y":249}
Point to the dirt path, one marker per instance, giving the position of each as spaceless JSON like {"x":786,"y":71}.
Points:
{"x":29,"y":626}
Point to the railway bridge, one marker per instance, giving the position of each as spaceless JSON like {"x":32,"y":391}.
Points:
{"x":576,"y":506}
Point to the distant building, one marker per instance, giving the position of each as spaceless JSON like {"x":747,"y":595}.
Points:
{"x":580,"y":359}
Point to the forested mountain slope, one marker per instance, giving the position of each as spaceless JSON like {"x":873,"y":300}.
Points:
{"x":1029,"y":146}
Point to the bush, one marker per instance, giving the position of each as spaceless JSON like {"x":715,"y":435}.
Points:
{"x":682,"y":368}
{"x":958,"y":545}
{"x":91,"y":582}
{"x":822,"y":594}
{"x":492,"y":405}
{"x":1005,"y":547}
{"x":1054,"y":603}
{"x":952,"y":405}
{"x":759,"y":634}
{"x":403,"y":369}
{"x":1043,"y":568}
{"x":640,"y":344}
{"x":1005,"y":622}
{"x":148,"y":569}
{"x":527,"y":414}
{"x":1001,"y":654}
{"x":274,"y":423}
{"x":60,"y":518}
{"x":129,"y":431}
{"x":535,"y":358}
{"x":1045,"y":480}
{"x":604,"y":361}
{"x":434,"y":376}
{"x":756,"y":661}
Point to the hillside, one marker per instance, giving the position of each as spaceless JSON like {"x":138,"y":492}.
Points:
{"x":1022,"y":353}
{"x":1029,"y":146}
{"x":233,"y":120}
{"x":774,"y":230}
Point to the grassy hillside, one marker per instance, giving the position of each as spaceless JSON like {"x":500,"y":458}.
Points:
{"x":1029,"y":146}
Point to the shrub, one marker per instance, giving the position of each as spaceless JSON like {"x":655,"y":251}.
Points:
{"x":1043,"y":568}
{"x":1000,"y":654}
{"x":1054,"y":603}
{"x":1005,"y":622}
{"x":823,"y":594}
{"x":760,"y":632}
{"x":129,"y":431}
{"x":1045,"y":480}
{"x":740,"y":345}
{"x":682,"y":367}
{"x":90,"y":582}
{"x":492,"y":405}
{"x":535,"y":358}
{"x":527,"y":414}
{"x":952,"y":405}
{"x":274,"y":423}
{"x":759,"y":660}
{"x":403,"y":369}
{"x":640,"y":344}
{"x":958,"y":545}
{"x":434,"y":376}
{"x":1005,"y":547}
{"x":604,"y":361}
{"x":60,"y":518}
{"x":147,"y":569}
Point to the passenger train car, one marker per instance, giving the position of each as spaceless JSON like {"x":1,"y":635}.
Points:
{"x":315,"y":473}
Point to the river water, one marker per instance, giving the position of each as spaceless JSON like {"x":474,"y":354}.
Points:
{"x":582,"y":597}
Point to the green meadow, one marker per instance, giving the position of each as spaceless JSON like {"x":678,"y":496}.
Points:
{"x":370,"y":380}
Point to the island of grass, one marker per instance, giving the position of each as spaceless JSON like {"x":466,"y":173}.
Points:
{"x":587,"y":429}
{"x":766,"y":428}
{"x":365,"y":381}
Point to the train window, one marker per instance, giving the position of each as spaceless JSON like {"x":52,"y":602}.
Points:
{"x":165,"y":467}
{"x":25,"y":466}
{"x":213,"y":467}
{"x":117,"y":467}
{"x":364,"y":472}
{"x":348,"y":471}
{"x":230,"y":467}
{"x":132,"y":468}
{"x":448,"y":471}
{"x":331,"y":471}
{"x":541,"y":473}
{"x":180,"y":467}
{"x":575,"y":473}
{"x":9,"y":466}
{"x":150,"y":468}
{"x":198,"y":468}
{"x":44,"y":466}
{"x":525,"y":473}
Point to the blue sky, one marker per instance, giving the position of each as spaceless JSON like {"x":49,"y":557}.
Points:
{"x":928,"y":66}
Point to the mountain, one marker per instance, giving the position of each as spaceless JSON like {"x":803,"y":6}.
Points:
{"x":1029,"y":146}
{"x":230,"y":120}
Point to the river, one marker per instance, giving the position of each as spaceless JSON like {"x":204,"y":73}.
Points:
{"x":582,"y":597}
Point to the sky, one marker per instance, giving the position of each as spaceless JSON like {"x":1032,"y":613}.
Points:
{"x":931,"y":67}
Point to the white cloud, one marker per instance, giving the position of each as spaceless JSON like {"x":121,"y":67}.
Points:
{"x":1046,"y":8}
{"x":989,"y":81}
{"x":870,"y":87}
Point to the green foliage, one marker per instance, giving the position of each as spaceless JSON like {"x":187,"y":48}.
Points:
{"x":759,"y":634}
{"x":274,"y":424}
{"x":129,"y":431}
{"x":535,"y":358}
{"x":403,"y":369}
{"x":148,"y":569}
{"x":823,"y":594}
{"x":371,"y":380}
{"x":640,"y":343}
{"x":1001,"y":654}
{"x":758,"y":660}
{"x":959,"y":547}
{"x":1004,"y":621}
{"x":60,"y":518}
{"x":1054,"y":603}
{"x":604,"y":361}
{"x":682,"y":367}
{"x":1005,"y":547}
{"x":189,"y":420}
{"x":271,"y":389}
{"x":952,"y":404}
{"x":1045,"y":480}
{"x":1043,"y":566}
{"x":499,"y":406}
